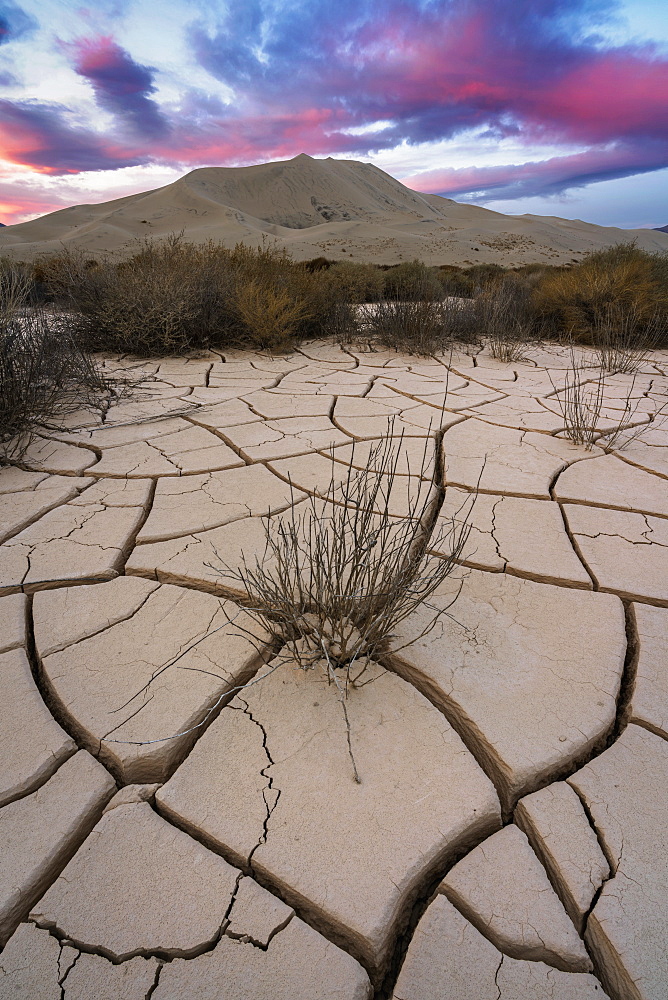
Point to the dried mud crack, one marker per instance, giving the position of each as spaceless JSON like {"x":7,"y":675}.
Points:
{"x":542,"y":682}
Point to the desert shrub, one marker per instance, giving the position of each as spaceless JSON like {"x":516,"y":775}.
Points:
{"x":460,"y":321}
{"x":44,"y":372}
{"x":317,"y":264}
{"x":623,"y":284}
{"x":505,"y":318}
{"x":346,"y":323}
{"x":483,"y":275}
{"x":623,"y":336}
{"x":14,"y":290}
{"x":413,"y":326}
{"x":455,"y":281}
{"x":339,"y":574}
{"x":412,"y":281}
{"x":537,"y":270}
{"x":581,"y":402}
{"x":270,"y":314}
{"x":356,"y":282}
{"x":15,"y":274}
{"x":171,"y":296}
{"x":168,"y":297}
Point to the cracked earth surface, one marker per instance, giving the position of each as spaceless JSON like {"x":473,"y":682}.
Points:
{"x":508,"y":838}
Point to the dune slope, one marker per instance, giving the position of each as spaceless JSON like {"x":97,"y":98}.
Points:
{"x":341,"y":209}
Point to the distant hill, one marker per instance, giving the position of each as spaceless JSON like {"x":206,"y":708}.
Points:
{"x":661,"y":229}
{"x":340,"y":209}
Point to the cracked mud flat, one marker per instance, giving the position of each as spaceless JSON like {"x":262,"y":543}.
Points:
{"x":508,"y":838}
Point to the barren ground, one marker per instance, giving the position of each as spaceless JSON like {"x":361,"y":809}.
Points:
{"x":509,"y":837}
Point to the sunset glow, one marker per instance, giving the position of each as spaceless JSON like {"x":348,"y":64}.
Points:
{"x":491,"y":101}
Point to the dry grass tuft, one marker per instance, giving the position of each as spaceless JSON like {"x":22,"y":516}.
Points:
{"x":340,"y":572}
{"x":581,"y":403}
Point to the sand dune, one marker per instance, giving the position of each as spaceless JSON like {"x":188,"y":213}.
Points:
{"x":341,"y":209}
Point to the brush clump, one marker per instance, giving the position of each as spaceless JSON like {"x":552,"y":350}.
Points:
{"x":339,"y":572}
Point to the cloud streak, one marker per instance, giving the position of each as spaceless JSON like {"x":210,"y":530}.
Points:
{"x":545,"y":177}
{"x":39,"y":135}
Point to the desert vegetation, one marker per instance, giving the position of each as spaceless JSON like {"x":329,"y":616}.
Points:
{"x":44,"y":370}
{"x":337,"y":576}
{"x":582,"y":399}
{"x":173,"y":296}
{"x":169,"y":297}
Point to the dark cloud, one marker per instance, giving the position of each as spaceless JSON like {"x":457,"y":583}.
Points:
{"x":38,"y":135}
{"x":121,"y":85}
{"x":14,"y":22}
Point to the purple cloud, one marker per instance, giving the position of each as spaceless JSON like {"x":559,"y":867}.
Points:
{"x":435,"y":69}
{"x":545,"y":177}
{"x":121,"y":85}
{"x":14,"y":22}
{"x":38,"y":135}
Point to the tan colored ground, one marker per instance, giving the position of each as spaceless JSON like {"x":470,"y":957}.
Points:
{"x":508,"y":838}
{"x":339,"y":209}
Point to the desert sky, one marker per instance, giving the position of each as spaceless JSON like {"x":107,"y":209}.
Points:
{"x":555,"y":107}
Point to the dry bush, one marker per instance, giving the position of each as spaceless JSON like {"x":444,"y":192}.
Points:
{"x":43,"y":371}
{"x":581,"y":403}
{"x":346,"y":322}
{"x":623,"y":337}
{"x":171,"y":297}
{"x":356,"y":282}
{"x":15,"y":274}
{"x":413,"y":326}
{"x":420,"y":326}
{"x":505,"y":318}
{"x":339,"y":573}
{"x":270,"y":315}
{"x":412,"y":281}
{"x":630,"y":281}
{"x":454,"y":281}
